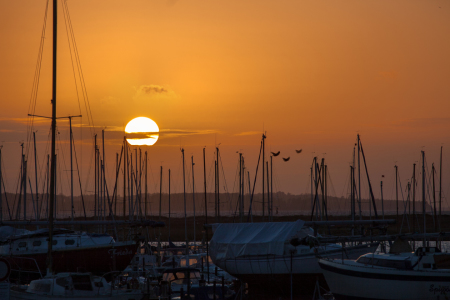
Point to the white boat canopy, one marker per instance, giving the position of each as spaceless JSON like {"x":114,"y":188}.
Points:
{"x":252,"y":239}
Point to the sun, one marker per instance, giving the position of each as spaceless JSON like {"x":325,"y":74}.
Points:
{"x":142,"y":131}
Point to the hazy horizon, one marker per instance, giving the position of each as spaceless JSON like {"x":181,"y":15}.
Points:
{"x":311,"y":75}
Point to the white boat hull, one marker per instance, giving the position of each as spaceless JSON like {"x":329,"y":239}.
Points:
{"x":301,"y":264}
{"x":271,"y":276}
{"x":348,"y":282}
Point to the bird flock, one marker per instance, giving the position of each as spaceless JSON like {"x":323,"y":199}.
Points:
{"x":285,"y":158}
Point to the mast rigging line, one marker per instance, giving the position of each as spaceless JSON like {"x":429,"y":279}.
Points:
{"x":70,"y":32}
{"x":225,"y":184}
{"x":79,"y":181}
{"x":6,"y":198}
{"x":36,"y":79}
{"x":254,"y":184}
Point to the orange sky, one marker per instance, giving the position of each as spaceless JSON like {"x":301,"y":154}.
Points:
{"x":311,"y":73}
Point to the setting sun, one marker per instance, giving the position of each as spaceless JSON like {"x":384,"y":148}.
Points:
{"x":142,"y":131}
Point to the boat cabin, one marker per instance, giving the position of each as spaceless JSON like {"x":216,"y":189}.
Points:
{"x":69,"y":284}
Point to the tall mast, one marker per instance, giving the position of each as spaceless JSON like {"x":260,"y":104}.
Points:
{"x":271,"y":189}
{"x":160,"y":192}
{"x":322,"y":186}
{"x":312,"y":185}
{"x":423,"y":199}
{"x":52,"y":167}
{"x":206,"y":213}
{"x":48,"y":185}
{"x":184,"y":196}
{"x":140,"y":183}
{"x":352,"y":204}
{"x":95,"y":176}
{"x":146,"y":190}
{"x":240,"y":189}
{"x":414,"y":198}
{"x":117,"y":182}
{"x":131,"y":187}
{"x":71,"y":170}
{"x":440,"y":189}
{"x":169,"y":204}
{"x":359,"y":176}
{"x":124,"y":207}
{"x":268,"y":191}
{"x":396,"y":187}
{"x":193,"y":193}
{"x":35,"y":175}
{"x":215,"y":191}
{"x":218,"y":185}
{"x":24,"y":165}
{"x":160,"y":202}
{"x":434,"y":198}
{"x":263,"y":162}
{"x":382,"y":202}
{"x":1,"y":199}
{"x":204,"y":183}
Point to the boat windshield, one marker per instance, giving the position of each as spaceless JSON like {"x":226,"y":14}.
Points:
{"x":180,"y":277}
{"x":82,"y":282}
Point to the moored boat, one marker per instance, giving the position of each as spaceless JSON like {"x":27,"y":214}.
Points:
{"x":423,"y":274}
{"x":72,"y":286}
{"x":261,"y":255}
{"x":72,"y":251}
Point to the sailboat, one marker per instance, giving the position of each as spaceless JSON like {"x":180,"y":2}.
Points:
{"x":261,"y":255}
{"x":71,"y":251}
{"x":406,"y":275}
{"x":71,"y":285}
{"x":400,"y":274}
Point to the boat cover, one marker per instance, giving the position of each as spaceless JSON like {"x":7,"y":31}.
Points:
{"x":249,"y":239}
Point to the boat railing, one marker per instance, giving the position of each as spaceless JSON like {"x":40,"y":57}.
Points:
{"x":20,"y":267}
{"x":112,"y":280}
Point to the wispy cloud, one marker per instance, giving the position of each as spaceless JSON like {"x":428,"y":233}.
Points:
{"x":248,"y":133}
{"x":149,"y":89}
{"x":25,"y":120}
{"x":153,"y":91}
{"x":183,"y":132}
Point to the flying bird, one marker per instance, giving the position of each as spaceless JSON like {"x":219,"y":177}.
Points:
{"x":275,"y":154}
{"x":286,"y":159}
{"x":299,"y":151}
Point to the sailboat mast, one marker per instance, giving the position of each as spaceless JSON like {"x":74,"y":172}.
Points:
{"x":263,"y":162}
{"x":24,"y":172}
{"x":423,"y":198}
{"x":218,"y":185}
{"x":396,"y":187}
{"x":268,"y":191}
{"x":1,"y":200}
{"x":52,"y":167}
{"x":204,"y":184}
{"x":124,"y":204}
{"x":71,"y":171}
{"x":271,"y":189}
{"x":35,"y":174}
{"x":434,"y":198}
{"x":359,"y":177}
{"x":169,"y":204}
{"x":440,"y":189}
{"x":193,"y":193}
{"x":414,"y":198}
{"x":146,"y":188}
{"x":240,"y":188}
{"x":184,"y":196}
